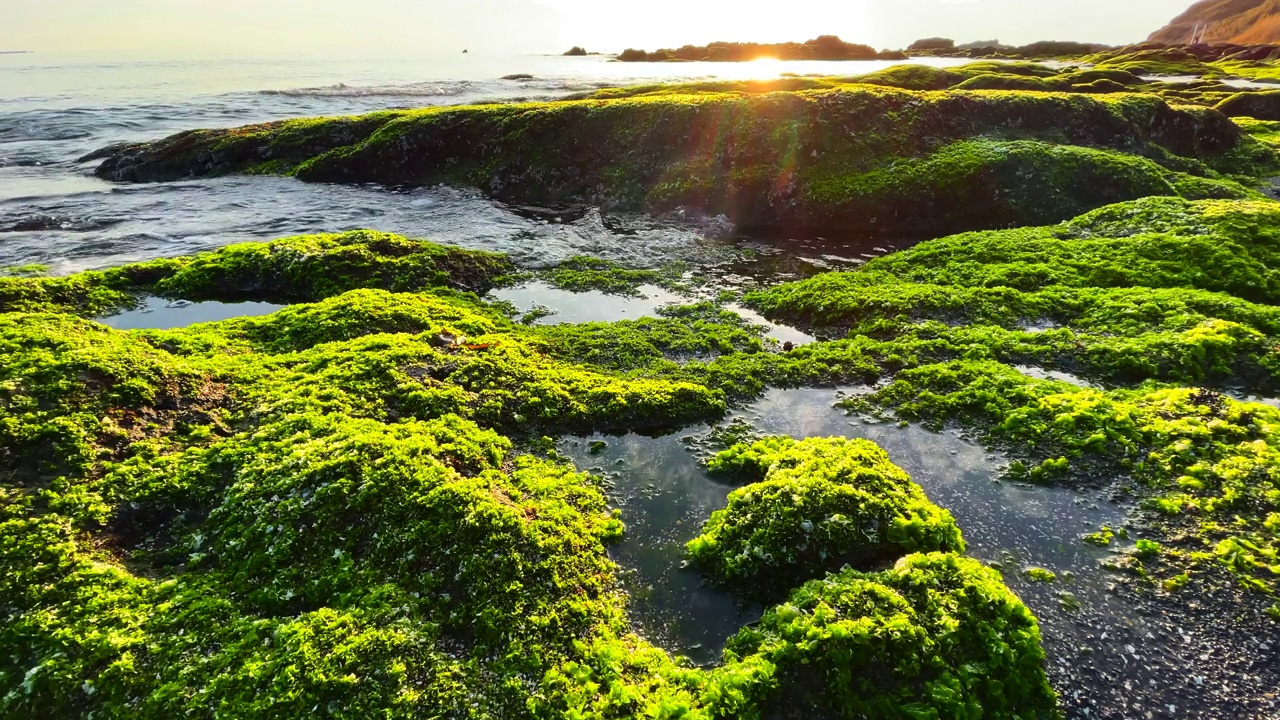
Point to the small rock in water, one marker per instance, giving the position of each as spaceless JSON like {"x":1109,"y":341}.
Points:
{"x":177,"y":304}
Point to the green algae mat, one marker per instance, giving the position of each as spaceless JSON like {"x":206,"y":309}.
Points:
{"x":835,"y":153}
{"x":354,"y":507}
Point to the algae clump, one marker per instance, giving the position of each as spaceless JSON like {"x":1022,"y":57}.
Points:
{"x":818,"y":505}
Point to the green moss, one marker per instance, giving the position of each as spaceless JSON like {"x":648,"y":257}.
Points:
{"x":1102,"y":538}
{"x":89,"y":293}
{"x":702,"y":331}
{"x":74,"y":394}
{"x":1007,"y":81}
{"x":1265,"y":131}
{"x":1148,"y":549}
{"x":1261,"y":71}
{"x":1153,"y":61}
{"x":580,"y":274}
{"x":301,"y":268}
{"x":972,"y":184}
{"x":935,"y":636}
{"x":911,"y":77}
{"x":29,"y":270}
{"x":1202,"y":458}
{"x":765,"y":158}
{"x":1257,"y":105}
{"x":839,"y":641}
{"x":1158,"y":289}
{"x":311,"y":267}
{"x":1040,"y":575}
{"x":321,"y":508}
{"x":819,"y":505}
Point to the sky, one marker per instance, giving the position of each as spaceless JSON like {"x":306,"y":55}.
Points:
{"x":519,"y":26}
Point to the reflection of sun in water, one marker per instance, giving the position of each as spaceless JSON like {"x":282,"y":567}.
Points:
{"x":761,"y":68}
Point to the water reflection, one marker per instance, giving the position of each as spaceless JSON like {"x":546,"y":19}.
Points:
{"x":163,"y":314}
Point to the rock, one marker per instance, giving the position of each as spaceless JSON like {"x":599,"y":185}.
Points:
{"x":1020,"y":158}
{"x":576,"y":51}
{"x":1260,"y":105}
{"x":936,"y":43}
{"x":1223,"y":21}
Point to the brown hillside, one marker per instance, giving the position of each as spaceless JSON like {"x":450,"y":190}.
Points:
{"x":1224,"y":21}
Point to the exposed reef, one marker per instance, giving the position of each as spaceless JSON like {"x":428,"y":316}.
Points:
{"x":849,"y":155}
{"x":356,"y":506}
{"x":308,"y":267}
{"x":344,"y":505}
{"x":1156,"y":290}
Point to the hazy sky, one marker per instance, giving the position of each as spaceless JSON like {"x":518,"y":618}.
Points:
{"x":248,"y":26}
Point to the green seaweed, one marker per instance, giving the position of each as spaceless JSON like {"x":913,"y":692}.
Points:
{"x":579,"y":274}
{"x":305,"y":267}
{"x":772,"y":154}
{"x":819,"y":505}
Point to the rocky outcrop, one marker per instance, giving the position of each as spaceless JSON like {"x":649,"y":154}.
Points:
{"x":1240,"y":22}
{"x":864,"y":157}
{"x":1259,"y":105}
{"x":826,"y":47}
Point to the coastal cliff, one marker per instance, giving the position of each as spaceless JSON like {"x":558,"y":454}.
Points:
{"x":1224,"y":21}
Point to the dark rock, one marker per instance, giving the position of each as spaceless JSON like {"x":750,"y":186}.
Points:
{"x":936,"y":43}
{"x":1260,"y":105}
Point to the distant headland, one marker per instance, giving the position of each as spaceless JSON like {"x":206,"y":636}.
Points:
{"x":826,"y":47}
{"x":1238,"y":22}
{"x":15,"y":52}
{"x":831,"y":47}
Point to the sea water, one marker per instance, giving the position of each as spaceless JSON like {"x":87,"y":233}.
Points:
{"x":57,"y":107}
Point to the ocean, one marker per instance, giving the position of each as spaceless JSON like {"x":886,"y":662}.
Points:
{"x":57,"y":107}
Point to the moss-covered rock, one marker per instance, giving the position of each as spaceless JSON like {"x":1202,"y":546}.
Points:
{"x":301,"y":268}
{"x":1157,"y":289}
{"x":848,"y":155}
{"x":1258,"y":105}
{"x":322,"y":509}
{"x":1205,"y":460}
{"x":912,"y":77}
{"x":820,"y":504}
{"x":837,"y":643}
{"x":1153,"y":60}
{"x":934,"y":636}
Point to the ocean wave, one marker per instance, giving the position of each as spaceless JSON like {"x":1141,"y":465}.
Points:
{"x":342,"y":90}
{"x":444,"y":89}
{"x":44,"y":223}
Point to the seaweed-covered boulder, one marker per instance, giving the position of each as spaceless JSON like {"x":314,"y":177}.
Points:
{"x":1001,"y":81}
{"x":1259,"y":105}
{"x":821,"y":504}
{"x":936,"y":636}
{"x":310,"y":267}
{"x":911,"y":77}
{"x":299,"y":268}
{"x":1153,"y":60}
{"x":819,"y":154}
